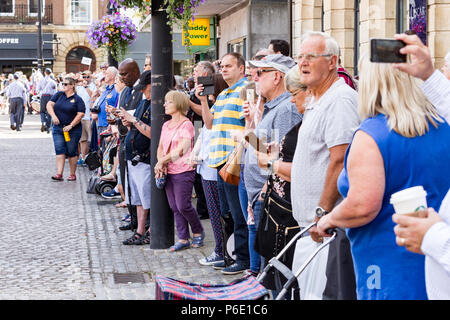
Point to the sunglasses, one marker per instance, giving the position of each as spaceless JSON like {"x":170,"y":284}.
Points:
{"x":66,"y":84}
{"x":260,"y":72}
{"x":85,"y":77}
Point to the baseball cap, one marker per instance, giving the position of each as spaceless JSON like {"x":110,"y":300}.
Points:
{"x":277,"y":61}
{"x":144,"y":80}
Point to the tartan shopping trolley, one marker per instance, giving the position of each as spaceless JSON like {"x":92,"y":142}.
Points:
{"x":247,"y":288}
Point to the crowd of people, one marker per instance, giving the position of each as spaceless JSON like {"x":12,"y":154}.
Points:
{"x":311,"y":144}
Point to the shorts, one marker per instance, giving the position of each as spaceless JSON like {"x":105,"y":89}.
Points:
{"x":139,"y":184}
{"x":86,"y":131}
{"x":69,"y":148}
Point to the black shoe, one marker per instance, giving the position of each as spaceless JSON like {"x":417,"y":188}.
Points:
{"x":13,"y":127}
{"x":43,"y":128}
{"x":18,"y":129}
{"x":128,"y":226}
{"x":203,"y":216}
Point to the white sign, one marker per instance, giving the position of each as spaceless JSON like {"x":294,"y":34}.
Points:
{"x":86,"y":61}
{"x":9,"y":40}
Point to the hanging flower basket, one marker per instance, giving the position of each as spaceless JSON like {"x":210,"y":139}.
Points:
{"x":113,"y":32}
{"x":180,"y":12}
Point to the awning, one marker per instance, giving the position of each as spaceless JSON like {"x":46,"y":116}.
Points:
{"x":22,"y":55}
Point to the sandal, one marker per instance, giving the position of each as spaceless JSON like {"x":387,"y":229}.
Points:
{"x":131,"y":240}
{"x":58,"y":177}
{"x":180,"y":246}
{"x":122,"y":204}
{"x":197,"y":242}
{"x":143,"y":240}
{"x":72,"y":177}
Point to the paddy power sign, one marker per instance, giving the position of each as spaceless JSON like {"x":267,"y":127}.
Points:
{"x":199,"y":32}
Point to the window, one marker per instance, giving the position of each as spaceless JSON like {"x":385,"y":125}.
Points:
{"x":33,"y":7}
{"x":6,"y":7}
{"x":238,"y":46}
{"x":80,"y":11}
{"x":402,"y":16}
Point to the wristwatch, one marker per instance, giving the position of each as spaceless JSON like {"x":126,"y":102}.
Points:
{"x":270,"y":165}
{"x":320,"y":212}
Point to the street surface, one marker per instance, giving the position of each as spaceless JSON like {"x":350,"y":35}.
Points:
{"x":58,"y":242}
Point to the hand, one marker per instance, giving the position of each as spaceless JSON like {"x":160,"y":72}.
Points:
{"x":236,"y":135}
{"x":324,"y":224}
{"x":198,"y":89}
{"x":314,"y":232}
{"x":411,"y":230}
{"x":421,"y":65}
{"x":55,"y":120}
{"x":127,"y":119}
{"x":159,"y":168}
{"x":67,"y":128}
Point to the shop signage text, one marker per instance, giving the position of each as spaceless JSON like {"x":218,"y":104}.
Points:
{"x":199,"y":32}
{"x":9,"y":40}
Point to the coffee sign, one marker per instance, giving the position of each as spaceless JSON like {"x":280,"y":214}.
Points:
{"x":9,"y":40}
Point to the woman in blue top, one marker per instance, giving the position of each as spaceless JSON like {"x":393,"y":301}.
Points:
{"x":66,"y":109}
{"x":401,"y":143}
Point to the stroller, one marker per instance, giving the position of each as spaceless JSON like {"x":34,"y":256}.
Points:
{"x":248,"y":288}
{"x":100,"y":160}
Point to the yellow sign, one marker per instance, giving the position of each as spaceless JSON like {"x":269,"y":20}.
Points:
{"x":199,"y":32}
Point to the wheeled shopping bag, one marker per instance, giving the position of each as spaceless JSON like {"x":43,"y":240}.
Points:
{"x":242,"y":289}
{"x":287,"y":272}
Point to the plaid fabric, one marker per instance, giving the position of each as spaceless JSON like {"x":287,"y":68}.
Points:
{"x":242,"y":289}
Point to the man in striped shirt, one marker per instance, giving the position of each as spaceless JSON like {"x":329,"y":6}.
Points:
{"x":227,"y":115}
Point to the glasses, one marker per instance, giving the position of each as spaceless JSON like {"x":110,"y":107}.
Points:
{"x":296,"y":92}
{"x":260,"y":72}
{"x":311,"y":56}
{"x":66,"y":84}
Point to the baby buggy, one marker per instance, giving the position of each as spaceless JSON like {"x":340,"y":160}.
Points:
{"x":100,"y":161}
{"x":247,"y":288}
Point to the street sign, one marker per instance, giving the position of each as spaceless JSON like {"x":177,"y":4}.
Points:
{"x":86,"y":61}
{"x":199,"y":32}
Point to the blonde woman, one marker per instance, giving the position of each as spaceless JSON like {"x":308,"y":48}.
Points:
{"x":175,"y":147}
{"x":401,"y":143}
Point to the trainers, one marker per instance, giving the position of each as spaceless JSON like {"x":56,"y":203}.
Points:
{"x":111,"y":195}
{"x":212,"y":259}
{"x":80,"y":162}
{"x":219,"y":265}
{"x":234,"y":269}
{"x":127,"y":218}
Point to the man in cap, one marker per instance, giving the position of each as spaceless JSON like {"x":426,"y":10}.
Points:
{"x":279,"y":116}
{"x":17,"y":101}
{"x":47,"y":88}
{"x":137,"y":151}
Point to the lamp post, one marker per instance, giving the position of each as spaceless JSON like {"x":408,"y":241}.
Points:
{"x":40,"y":61}
{"x":161,"y":221}
{"x":111,"y":61}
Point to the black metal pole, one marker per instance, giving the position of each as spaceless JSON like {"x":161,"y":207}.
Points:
{"x":111,"y":61}
{"x":161,"y":217}
{"x":39,"y":44}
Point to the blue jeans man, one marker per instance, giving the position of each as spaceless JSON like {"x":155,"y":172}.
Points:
{"x":229,"y":197}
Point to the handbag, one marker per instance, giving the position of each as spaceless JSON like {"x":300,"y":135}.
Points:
{"x":231,"y":171}
{"x":276,"y":227}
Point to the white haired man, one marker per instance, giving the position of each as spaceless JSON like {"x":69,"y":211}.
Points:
{"x":327,"y":129}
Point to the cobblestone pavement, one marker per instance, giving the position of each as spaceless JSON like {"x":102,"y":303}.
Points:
{"x":58,"y":242}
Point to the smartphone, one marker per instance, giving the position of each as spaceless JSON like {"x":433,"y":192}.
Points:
{"x":251,"y":95}
{"x":256,"y":143}
{"x":386,"y":51}
{"x":208,"y":85}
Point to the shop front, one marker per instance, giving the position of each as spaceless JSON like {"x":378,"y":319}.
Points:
{"x":18,"y":52}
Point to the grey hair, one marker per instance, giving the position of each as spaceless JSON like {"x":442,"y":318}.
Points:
{"x":207,"y":67}
{"x":331,"y":45}
{"x":114,"y":70}
{"x":292,"y":80}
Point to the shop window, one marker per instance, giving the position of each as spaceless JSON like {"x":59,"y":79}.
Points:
{"x":80,"y":12}
{"x":6,"y":7}
{"x":33,"y":7}
{"x":402,"y":16}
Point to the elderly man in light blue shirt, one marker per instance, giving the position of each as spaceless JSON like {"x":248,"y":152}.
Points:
{"x":279,"y":116}
{"x":17,"y":101}
{"x":47,"y":88}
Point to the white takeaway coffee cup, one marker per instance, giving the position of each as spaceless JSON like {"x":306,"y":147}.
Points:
{"x":409,"y":200}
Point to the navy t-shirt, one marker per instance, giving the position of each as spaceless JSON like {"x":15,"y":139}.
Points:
{"x":66,"y":108}
{"x":141,"y":142}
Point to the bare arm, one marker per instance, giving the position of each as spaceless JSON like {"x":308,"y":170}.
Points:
{"x":181,"y":149}
{"x":366,"y":176}
{"x":74,"y":122}
{"x":51,"y":112}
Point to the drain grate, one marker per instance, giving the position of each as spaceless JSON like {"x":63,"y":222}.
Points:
{"x":128,"y":277}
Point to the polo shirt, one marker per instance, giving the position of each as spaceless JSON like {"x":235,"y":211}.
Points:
{"x":279,"y":117}
{"x":66,"y":108}
{"x":327,"y":122}
{"x":228,"y":115}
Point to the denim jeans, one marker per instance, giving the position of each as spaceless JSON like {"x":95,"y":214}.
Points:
{"x":229,"y":198}
{"x":69,"y":148}
{"x":255,"y":259}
